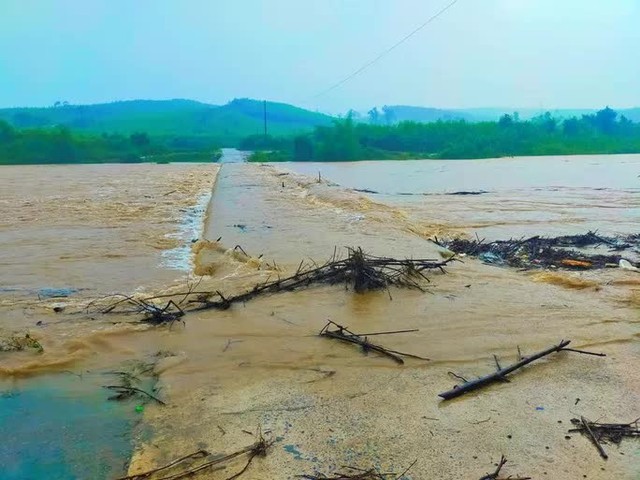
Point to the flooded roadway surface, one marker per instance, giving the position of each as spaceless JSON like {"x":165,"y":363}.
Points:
{"x":326,"y":404}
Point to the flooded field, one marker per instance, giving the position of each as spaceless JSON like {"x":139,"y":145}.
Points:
{"x":98,"y":230}
{"x":519,"y":196}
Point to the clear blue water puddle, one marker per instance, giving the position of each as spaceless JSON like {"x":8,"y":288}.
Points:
{"x":63,"y":427}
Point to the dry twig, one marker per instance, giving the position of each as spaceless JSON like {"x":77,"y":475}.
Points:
{"x":500,"y":374}
{"x":259,"y":448}
{"x":345,"y":335}
{"x":354,"y":473}
{"x":496,"y":474}
{"x":360,"y":271}
{"x":599,"y":433}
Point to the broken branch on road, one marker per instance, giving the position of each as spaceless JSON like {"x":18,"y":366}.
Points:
{"x":202,"y":461}
{"x":358,"y":271}
{"x":496,"y":474}
{"x":600,"y":433}
{"x":500,"y":374}
{"x":345,"y":335}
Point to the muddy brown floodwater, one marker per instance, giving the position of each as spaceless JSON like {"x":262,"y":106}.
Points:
{"x":108,"y":229}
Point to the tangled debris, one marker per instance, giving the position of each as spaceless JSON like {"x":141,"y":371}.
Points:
{"x":153,"y":314}
{"x":609,"y":432}
{"x":359,"y":271}
{"x":496,"y":474}
{"x":201,"y":461}
{"x":17,"y":343}
{"x":345,"y":335}
{"x":123,"y":392}
{"x":500,"y":374}
{"x":600,"y":433}
{"x":130,"y":383}
{"x":545,"y":252}
{"x":354,"y":473}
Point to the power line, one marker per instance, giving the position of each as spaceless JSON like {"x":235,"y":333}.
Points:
{"x":386,"y":52}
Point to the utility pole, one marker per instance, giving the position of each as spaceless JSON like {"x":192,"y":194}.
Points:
{"x":264,"y":108}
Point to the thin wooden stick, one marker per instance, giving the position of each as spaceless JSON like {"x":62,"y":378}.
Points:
{"x":388,"y":333}
{"x":363,"y":343}
{"x":344,"y":334}
{"x":494,"y":475}
{"x":131,"y":390}
{"x":585,"y":352}
{"x":595,"y":441}
{"x":191,"y":456}
{"x":500,"y":374}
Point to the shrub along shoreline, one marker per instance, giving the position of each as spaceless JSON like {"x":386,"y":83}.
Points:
{"x":58,"y":145}
{"x":604,"y":132}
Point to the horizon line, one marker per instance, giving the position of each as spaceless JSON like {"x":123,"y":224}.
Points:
{"x":502,"y":108}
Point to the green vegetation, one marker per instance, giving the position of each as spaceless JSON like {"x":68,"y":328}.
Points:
{"x":180,"y":124}
{"x":60,"y":145}
{"x":185,"y":130}
{"x":390,"y":114}
{"x":146,"y":131}
{"x":604,"y":132}
{"x":18,"y":343}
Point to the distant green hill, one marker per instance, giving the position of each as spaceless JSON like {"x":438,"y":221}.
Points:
{"x":190,"y":125}
{"x":186,"y":121}
{"x":401,"y":113}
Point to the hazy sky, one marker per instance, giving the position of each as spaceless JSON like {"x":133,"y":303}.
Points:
{"x":515,"y":53}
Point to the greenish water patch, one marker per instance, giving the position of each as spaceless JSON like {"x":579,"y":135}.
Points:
{"x":63,"y":427}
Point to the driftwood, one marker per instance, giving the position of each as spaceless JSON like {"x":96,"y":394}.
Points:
{"x":130,"y":381}
{"x":500,"y":374}
{"x":123,"y":392}
{"x":359,"y":474}
{"x":596,"y":442}
{"x":153,"y":314}
{"x":187,"y":469}
{"x":345,"y":335}
{"x":599,"y":433}
{"x":496,"y":474}
{"x":359,"y":271}
{"x":545,"y":252}
{"x":192,"y":456}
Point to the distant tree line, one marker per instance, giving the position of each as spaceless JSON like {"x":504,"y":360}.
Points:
{"x":60,"y":145}
{"x":604,"y":132}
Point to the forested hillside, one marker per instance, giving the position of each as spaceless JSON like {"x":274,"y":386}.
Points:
{"x":187,"y":123}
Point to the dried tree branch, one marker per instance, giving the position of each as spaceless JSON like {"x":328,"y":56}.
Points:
{"x":345,"y":335}
{"x":500,"y":374}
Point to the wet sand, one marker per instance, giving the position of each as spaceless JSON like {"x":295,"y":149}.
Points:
{"x":326,"y":404}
